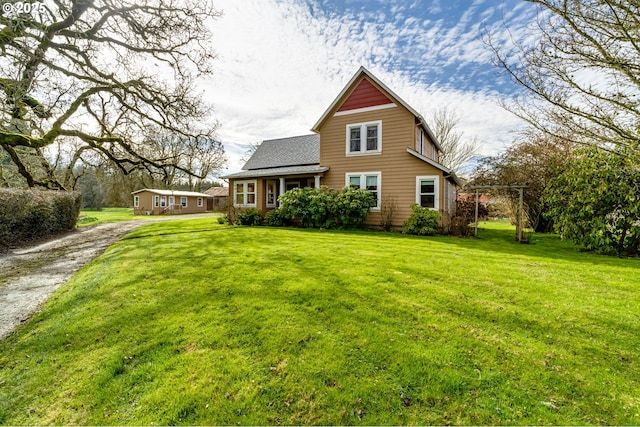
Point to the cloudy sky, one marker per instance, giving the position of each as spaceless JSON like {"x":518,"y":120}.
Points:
{"x":282,"y":62}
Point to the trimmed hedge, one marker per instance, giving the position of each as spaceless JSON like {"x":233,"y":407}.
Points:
{"x":32,"y":214}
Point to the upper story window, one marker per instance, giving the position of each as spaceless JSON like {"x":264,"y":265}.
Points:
{"x":364,"y":138}
{"x":424,"y":145}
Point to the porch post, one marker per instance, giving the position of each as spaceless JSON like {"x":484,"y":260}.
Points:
{"x":282,"y":189}
{"x":316,"y":184}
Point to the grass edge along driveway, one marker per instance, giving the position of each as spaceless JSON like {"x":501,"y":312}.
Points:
{"x":192,"y":322}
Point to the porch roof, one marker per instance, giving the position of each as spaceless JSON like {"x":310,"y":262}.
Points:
{"x":280,"y":171}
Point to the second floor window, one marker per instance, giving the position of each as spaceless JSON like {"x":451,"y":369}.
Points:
{"x":364,"y":138}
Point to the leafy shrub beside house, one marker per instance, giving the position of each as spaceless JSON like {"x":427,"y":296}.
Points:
{"x":422,"y":221}
{"x":324,"y":207}
{"x":32,"y":214}
{"x":249,"y":217}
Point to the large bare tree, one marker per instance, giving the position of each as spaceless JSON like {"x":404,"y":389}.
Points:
{"x":457,"y":149}
{"x":102,"y":72}
{"x":581,"y":62}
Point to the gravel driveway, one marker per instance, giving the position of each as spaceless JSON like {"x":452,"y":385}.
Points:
{"x":31,"y":274}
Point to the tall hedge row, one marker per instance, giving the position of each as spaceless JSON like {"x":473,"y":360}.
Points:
{"x":32,"y":214}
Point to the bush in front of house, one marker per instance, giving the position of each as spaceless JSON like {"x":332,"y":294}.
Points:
{"x":325,"y":207}
{"x":32,"y":214}
{"x":310,"y":206}
{"x":249,"y":217}
{"x":350,"y":207}
{"x":422,"y":221}
{"x":275,"y":218}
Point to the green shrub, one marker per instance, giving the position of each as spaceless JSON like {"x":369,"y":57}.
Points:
{"x":351,"y":206}
{"x":325,"y":207}
{"x":595,"y":201}
{"x":32,"y":214}
{"x":222,"y":220}
{"x":422,"y":221}
{"x":275,"y":218}
{"x":249,"y":217}
{"x":307,"y":205}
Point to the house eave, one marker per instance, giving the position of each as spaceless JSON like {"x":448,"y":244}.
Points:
{"x":279,"y":171}
{"x":448,"y":173}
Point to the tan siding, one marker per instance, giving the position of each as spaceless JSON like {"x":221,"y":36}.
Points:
{"x":399,"y":168}
{"x":146,"y":204}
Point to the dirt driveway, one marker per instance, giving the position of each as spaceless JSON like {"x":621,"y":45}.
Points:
{"x":30,"y":274}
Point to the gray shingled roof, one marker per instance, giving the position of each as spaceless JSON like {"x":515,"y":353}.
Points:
{"x":286,"y":152}
{"x":287,"y":170}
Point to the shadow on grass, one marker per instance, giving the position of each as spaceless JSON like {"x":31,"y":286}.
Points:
{"x":543,"y":245}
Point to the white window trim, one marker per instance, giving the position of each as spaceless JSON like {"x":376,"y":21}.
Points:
{"x":186,"y":201}
{"x":363,"y":181}
{"x":136,"y":201}
{"x":275,"y":192}
{"x":363,"y":138}
{"x":156,"y":201}
{"x":244,"y":191}
{"x":199,"y":202}
{"x":436,"y":185}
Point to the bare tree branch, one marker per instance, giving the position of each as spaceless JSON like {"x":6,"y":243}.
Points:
{"x":114,"y":68}
{"x":583,"y":70}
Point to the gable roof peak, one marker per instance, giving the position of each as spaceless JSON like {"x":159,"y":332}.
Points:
{"x":364,"y":71}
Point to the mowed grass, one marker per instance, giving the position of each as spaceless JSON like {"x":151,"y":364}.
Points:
{"x":104,"y":215}
{"x":196,"y":323}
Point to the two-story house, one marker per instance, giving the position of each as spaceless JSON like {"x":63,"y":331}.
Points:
{"x":368,"y":137}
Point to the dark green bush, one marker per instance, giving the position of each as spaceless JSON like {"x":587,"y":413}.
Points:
{"x":249,"y":217}
{"x":31,"y":214}
{"x":422,"y":221}
{"x":350,"y":207}
{"x":275,"y":218}
{"x":595,"y":201}
{"x":325,"y":207}
{"x":310,"y":206}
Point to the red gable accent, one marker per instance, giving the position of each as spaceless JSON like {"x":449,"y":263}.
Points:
{"x":365,"y":95}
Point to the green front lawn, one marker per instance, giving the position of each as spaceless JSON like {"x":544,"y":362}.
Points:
{"x":192,"y":322}
{"x":94,"y":216}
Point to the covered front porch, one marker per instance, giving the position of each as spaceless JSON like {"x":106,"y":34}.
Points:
{"x":260,"y":189}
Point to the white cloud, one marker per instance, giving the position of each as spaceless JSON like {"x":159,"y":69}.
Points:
{"x":280,"y":66}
